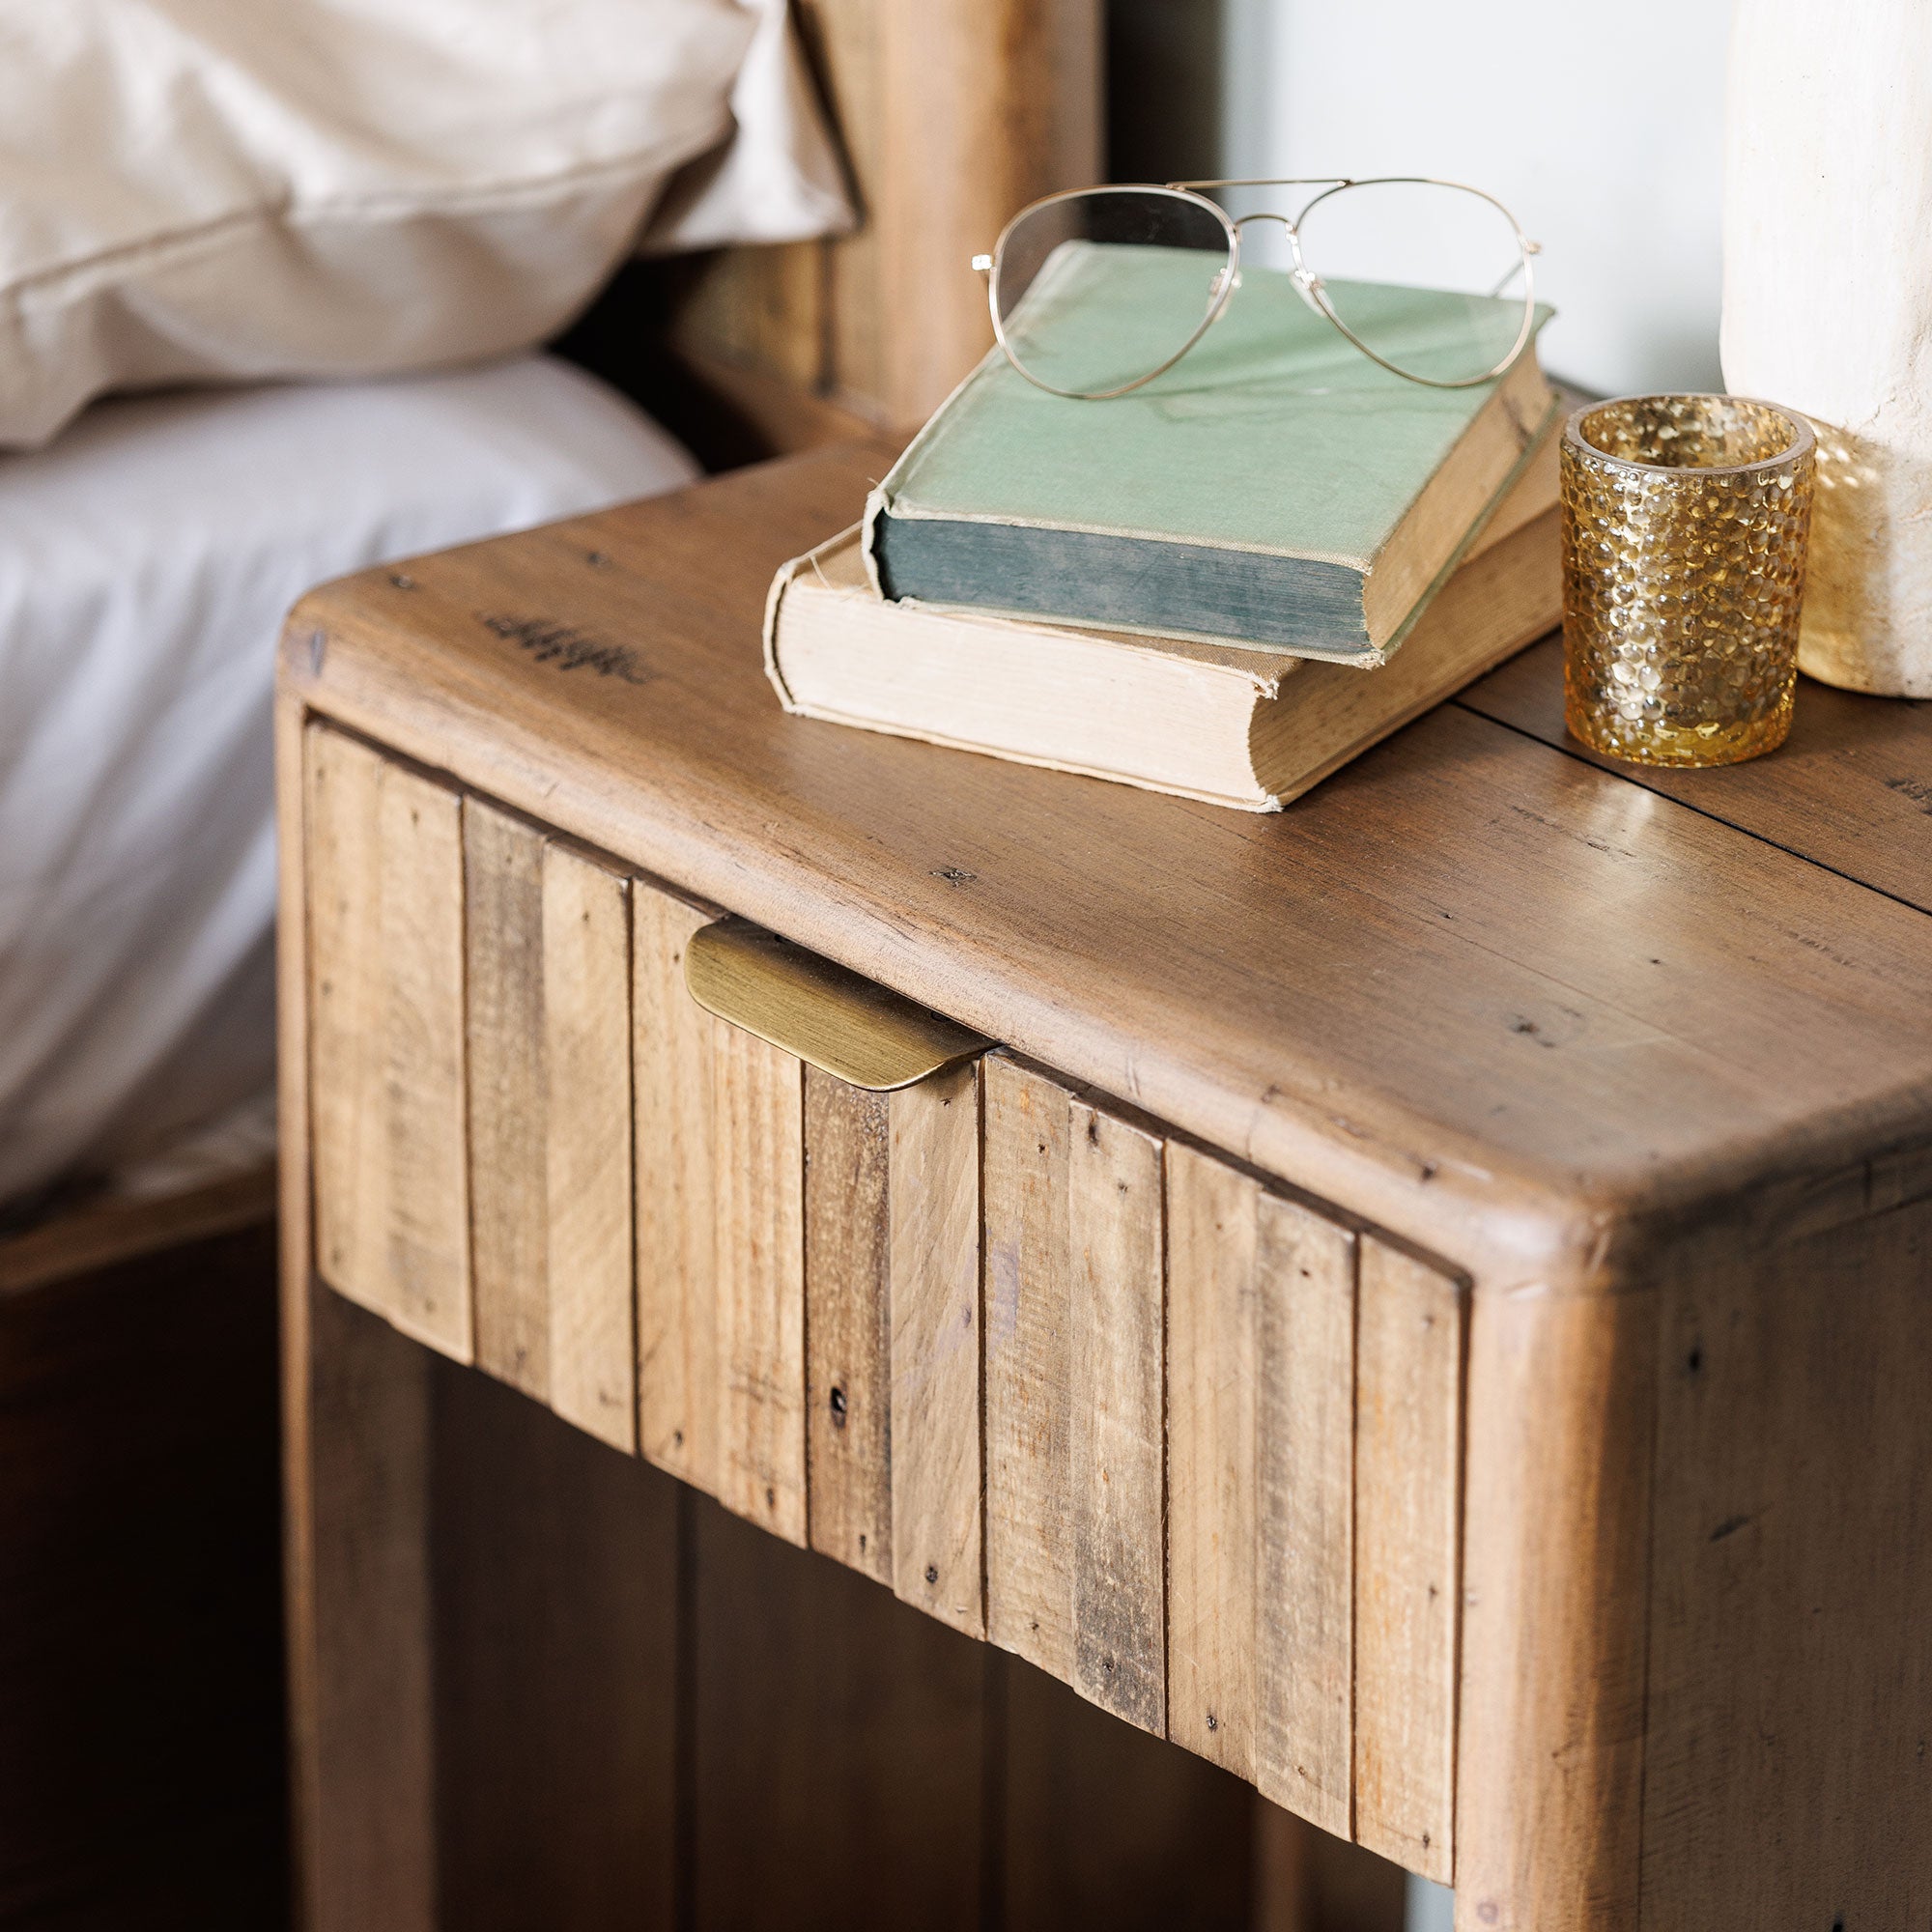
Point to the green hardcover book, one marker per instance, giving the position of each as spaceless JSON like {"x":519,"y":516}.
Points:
{"x":1275,"y":486}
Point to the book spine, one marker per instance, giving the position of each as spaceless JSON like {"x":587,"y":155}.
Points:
{"x":878,"y":506}
{"x":774,"y":606}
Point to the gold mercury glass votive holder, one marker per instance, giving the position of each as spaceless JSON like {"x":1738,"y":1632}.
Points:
{"x":1685,"y":520}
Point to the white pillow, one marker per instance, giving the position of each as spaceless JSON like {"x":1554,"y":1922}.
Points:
{"x":232,"y":189}
{"x":145,"y":563}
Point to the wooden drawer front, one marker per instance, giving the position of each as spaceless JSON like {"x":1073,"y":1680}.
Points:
{"x":1284,"y":1602}
{"x":1221,"y":1431}
{"x":893,"y":1319}
{"x":387,"y":1073}
{"x":808,"y":1288}
{"x":719,"y":1238}
{"x":548,"y":945}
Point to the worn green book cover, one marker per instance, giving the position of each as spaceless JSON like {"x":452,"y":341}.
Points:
{"x":1276,"y":486}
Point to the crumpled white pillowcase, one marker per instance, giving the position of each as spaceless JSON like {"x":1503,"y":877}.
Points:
{"x":778,"y":177}
{"x":196,"y":190}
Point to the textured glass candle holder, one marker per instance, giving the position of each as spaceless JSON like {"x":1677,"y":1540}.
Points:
{"x":1685,"y":520}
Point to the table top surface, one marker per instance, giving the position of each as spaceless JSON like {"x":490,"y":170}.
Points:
{"x":1481,"y":986}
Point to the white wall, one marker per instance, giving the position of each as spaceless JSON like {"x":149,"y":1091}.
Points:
{"x":1597,"y":121}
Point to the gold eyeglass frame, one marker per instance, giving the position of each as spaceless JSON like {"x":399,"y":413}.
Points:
{"x":1307,"y":284}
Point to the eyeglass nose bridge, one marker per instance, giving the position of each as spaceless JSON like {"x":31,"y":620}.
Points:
{"x":1306,"y":285}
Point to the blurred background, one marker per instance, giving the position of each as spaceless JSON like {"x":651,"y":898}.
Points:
{"x":1599,"y":126}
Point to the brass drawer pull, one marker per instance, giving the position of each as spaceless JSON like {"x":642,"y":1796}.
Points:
{"x":834,"y":1019}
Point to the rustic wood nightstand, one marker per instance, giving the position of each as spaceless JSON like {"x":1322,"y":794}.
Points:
{"x":1428,"y":1304}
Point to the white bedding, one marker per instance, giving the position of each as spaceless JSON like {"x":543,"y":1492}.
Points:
{"x":146,"y":561}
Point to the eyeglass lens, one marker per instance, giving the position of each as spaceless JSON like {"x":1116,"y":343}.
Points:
{"x":1096,"y":291}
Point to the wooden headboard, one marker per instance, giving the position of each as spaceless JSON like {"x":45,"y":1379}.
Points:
{"x":952,"y":113}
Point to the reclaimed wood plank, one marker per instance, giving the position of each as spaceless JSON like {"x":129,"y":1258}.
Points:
{"x":587,"y":1112}
{"x":1028,"y":1366}
{"x":1408,"y":1390}
{"x":934,"y":1236}
{"x":428,"y":1167}
{"x":503,"y":1018}
{"x":342,"y":795}
{"x":1211,"y":1401}
{"x":1304,"y":1513}
{"x":386,"y":1057}
{"x":847,"y":1324}
{"x":758,"y":1182}
{"x":671,"y":1048}
{"x":1114,"y":1219}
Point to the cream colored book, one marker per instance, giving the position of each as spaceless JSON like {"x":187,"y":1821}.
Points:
{"x":1236,"y":726}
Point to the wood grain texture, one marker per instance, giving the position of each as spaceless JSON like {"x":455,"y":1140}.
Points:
{"x":1562,"y":1393}
{"x":759,"y":1187}
{"x":671,"y":1048}
{"x":1788,"y":1774}
{"x":1114,"y":1245}
{"x":1028,"y":1366}
{"x":1851,"y":788}
{"x":861,"y":314}
{"x":426,"y":1164}
{"x":1424,"y":935}
{"x":848,"y":1324}
{"x":983,"y":104}
{"x":1211,"y":1465}
{"x":1408,"y":1438}
{"x":588,"y":1251}
{"x":1304,"y":1553}
{"x":503,"y":1019}
{"x":1261,"y":1439}
{"x":296,"y":1288}
{"x":344,"y":1048}
{"x":951,"y":117}
{"x":386,"y":964}
{"x":934,"y":1240}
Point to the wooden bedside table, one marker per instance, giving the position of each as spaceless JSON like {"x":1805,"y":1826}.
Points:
{"x":1428,"y":1304}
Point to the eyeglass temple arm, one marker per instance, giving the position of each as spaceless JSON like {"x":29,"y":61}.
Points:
{"x":1269,"y":181}
{"x":1529,"y":248}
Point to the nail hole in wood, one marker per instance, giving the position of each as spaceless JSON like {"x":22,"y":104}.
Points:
{"x":838,"y":1408}
{"x":932,"y":1573}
